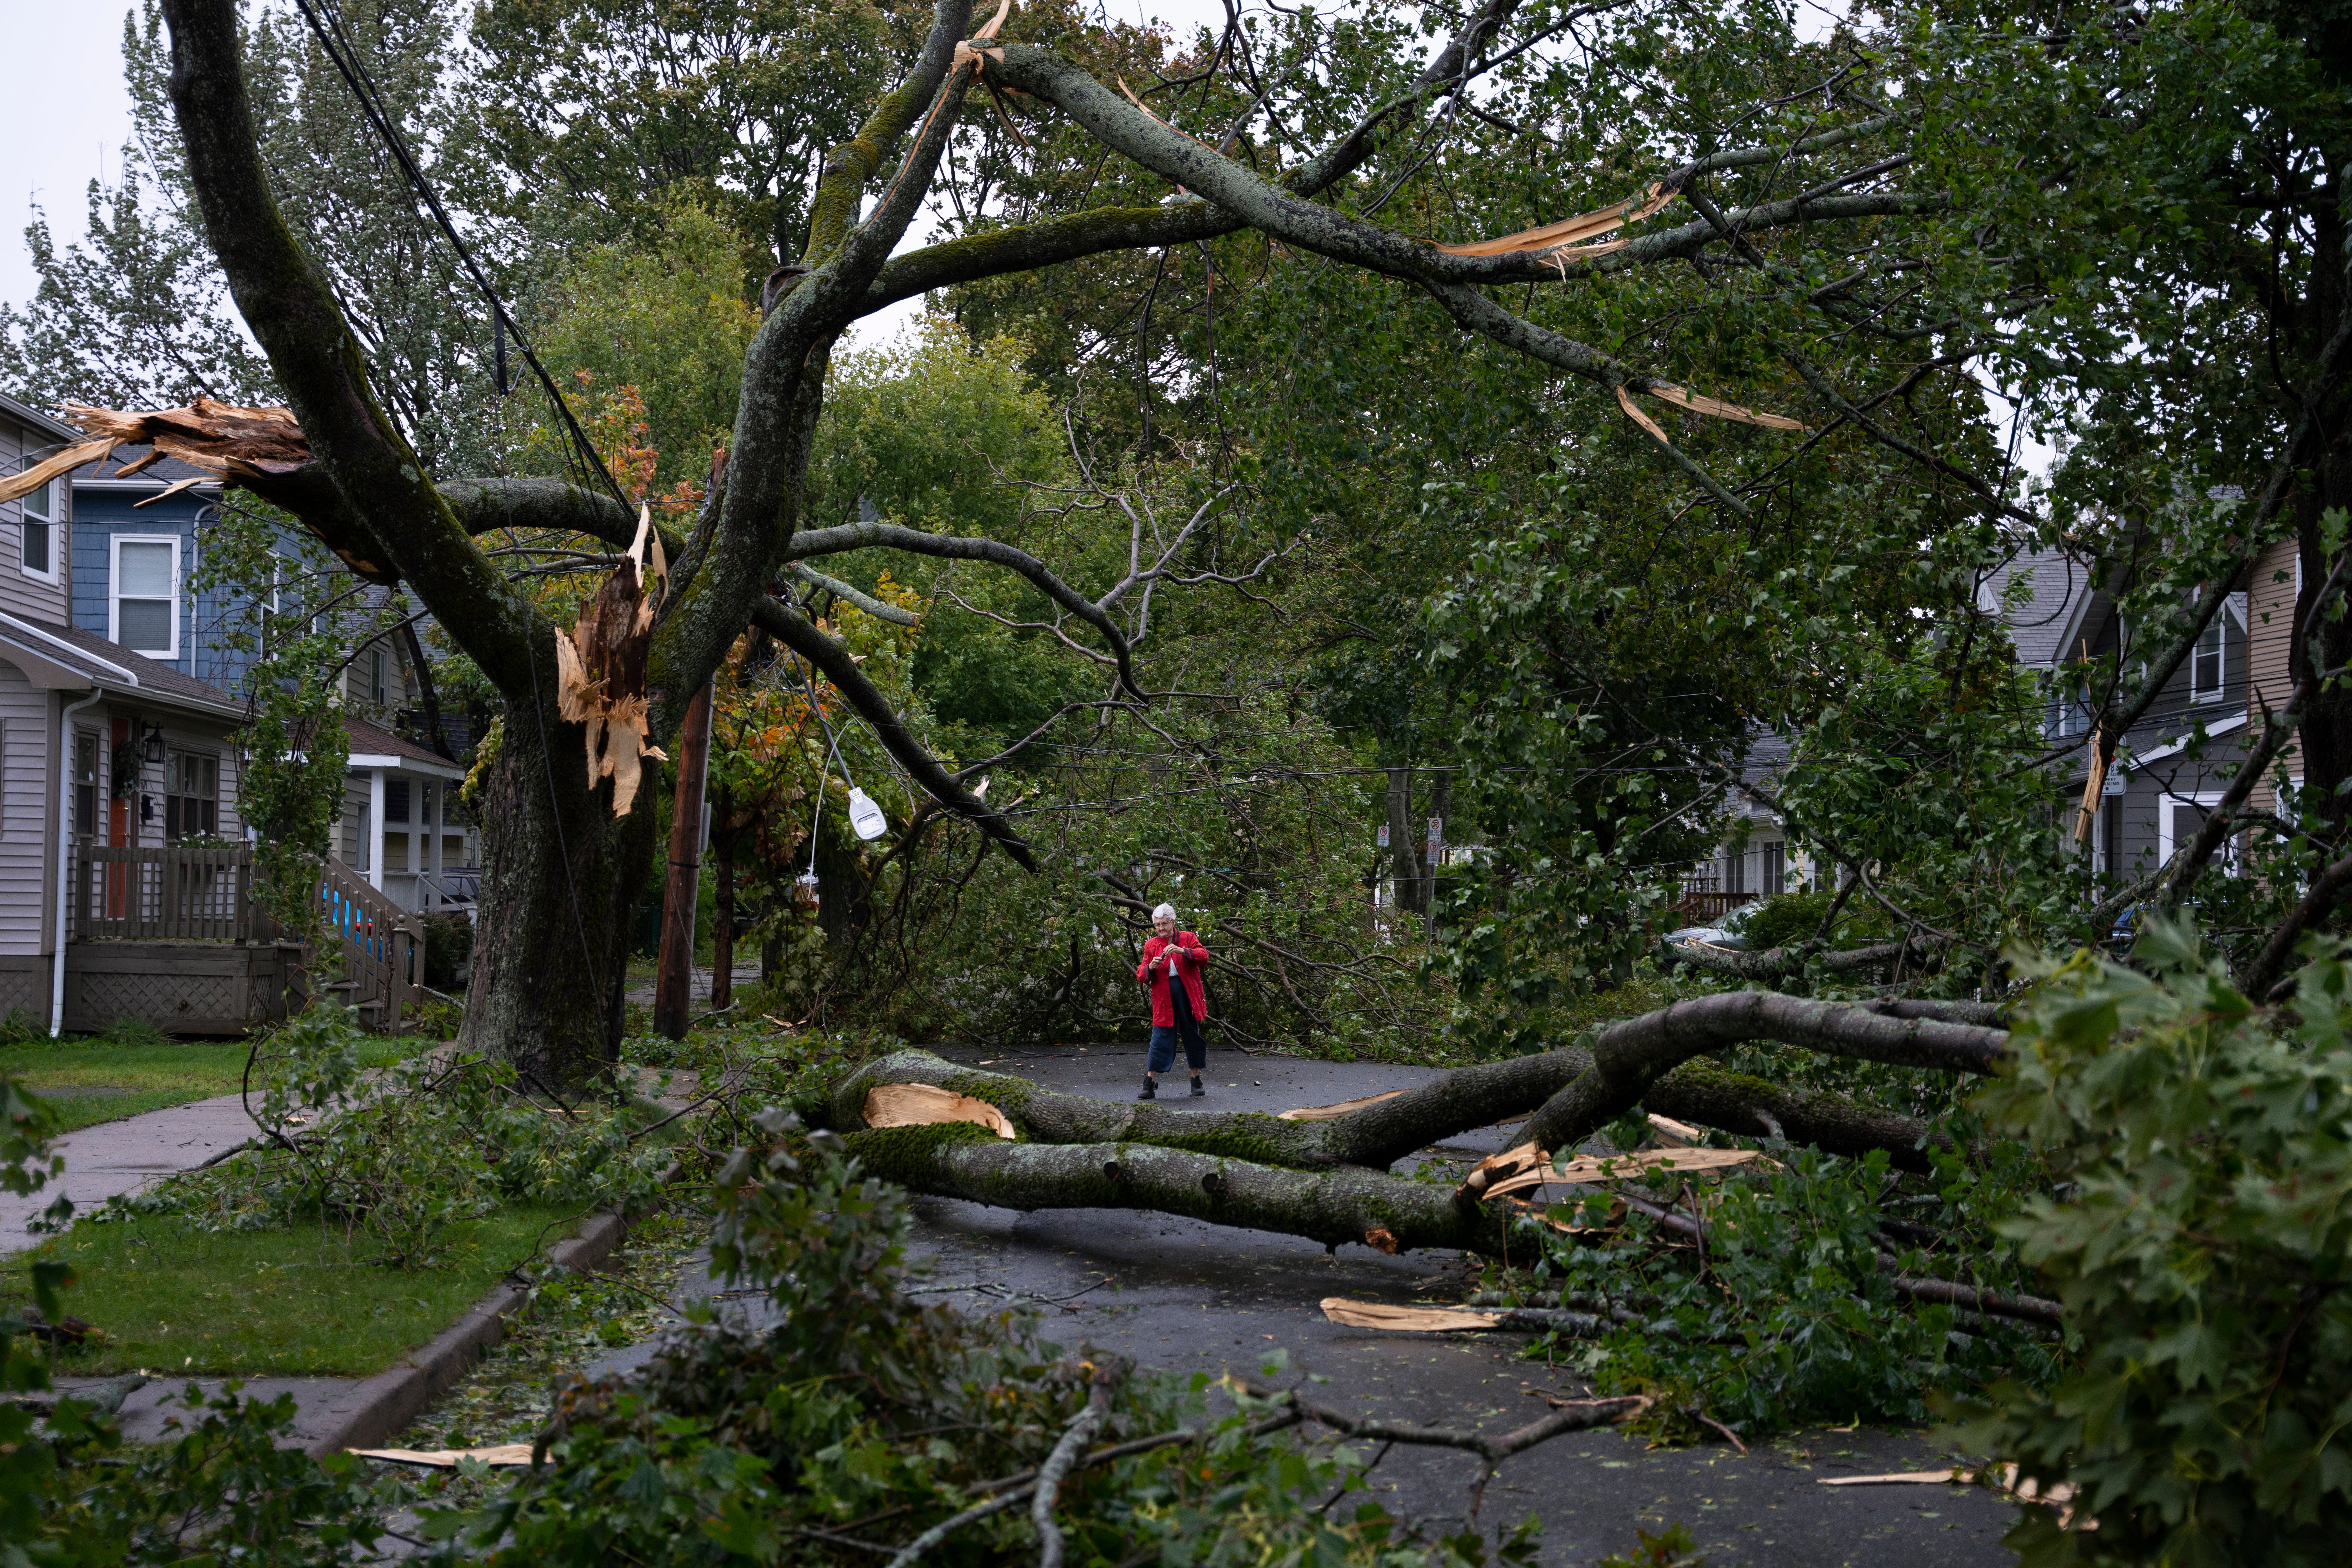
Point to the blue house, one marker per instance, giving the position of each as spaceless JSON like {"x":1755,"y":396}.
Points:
{"x":137,"y":547}
{"x":134,"y":565}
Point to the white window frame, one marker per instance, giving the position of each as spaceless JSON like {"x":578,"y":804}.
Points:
{"x":2217,"y":632}
{"x":2169,"y":801}
{"x":114,"y":591}
{"x":57,"y":527}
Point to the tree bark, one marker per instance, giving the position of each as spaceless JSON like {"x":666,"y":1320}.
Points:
{"x":682,"y":880}
{"x":560,"y":881}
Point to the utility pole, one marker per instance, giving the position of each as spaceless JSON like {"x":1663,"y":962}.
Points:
{"x":674,"y":980}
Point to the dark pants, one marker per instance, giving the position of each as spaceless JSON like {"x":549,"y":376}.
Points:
{"x":1164,"y":1036}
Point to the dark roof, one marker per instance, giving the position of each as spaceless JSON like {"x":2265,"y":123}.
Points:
{"x":155,"y":475}
{"x":2056,"y":585}
{"x":1767,"y":754}
{"x":367,"y":739}
{"x":48,"y":424}
{"x":153,"y":676}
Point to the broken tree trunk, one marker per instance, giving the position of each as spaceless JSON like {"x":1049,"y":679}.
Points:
{"x":1654,"y":1050}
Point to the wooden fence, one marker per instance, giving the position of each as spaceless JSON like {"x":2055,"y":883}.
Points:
{"x":172,"y":893}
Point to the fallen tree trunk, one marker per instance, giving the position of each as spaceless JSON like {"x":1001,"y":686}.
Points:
{"x":1648,"y":1058}
{"x":1343,"y":1204}
{"x":1628,"y":1057}
{"x":1379,"y":1135}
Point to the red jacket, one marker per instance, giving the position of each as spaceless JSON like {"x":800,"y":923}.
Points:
{"x":1153,"y":971}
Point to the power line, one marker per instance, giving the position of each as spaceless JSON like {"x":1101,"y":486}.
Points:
{"x":332,"y":37}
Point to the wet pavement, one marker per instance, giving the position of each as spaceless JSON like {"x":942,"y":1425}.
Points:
{"x":1185,"y":1295}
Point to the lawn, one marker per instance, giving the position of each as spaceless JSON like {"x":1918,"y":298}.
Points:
{"x":138,"y":1074}
{"x":279,"y":1303}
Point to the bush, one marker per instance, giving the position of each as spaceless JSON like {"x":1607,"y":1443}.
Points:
{"x":2203,"y":1249}
{"x":448,"y":950}
{"x":403,"y":1152}
{"x":1785,"y":918}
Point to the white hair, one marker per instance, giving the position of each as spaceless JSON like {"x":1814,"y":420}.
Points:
{"x":1164,"y":912}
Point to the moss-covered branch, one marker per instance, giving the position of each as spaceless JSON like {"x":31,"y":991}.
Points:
{"x":1341,"y":1204}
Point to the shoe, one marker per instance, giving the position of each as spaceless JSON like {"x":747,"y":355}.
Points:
{"x":1150,"y":1089}
{"x":1197,"y":1091}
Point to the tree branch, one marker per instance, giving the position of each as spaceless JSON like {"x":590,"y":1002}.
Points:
{"x":291,"y":307}
{"x":950,"y":547}
{"x":832,"y":660}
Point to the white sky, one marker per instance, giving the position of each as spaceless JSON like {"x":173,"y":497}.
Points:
{"x":68,"y":84}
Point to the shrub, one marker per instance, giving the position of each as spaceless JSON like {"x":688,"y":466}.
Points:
{"x":404,"y":1151}
{"x":130,"y":1031}
{"x":2203,"y":1247}
{"x":1785,"y":918}
{"x":448,"y":950}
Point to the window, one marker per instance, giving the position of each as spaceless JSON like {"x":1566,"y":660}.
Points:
{"x":37,"y":551}
{"x":376,"y":685}
{"x":191,"y":795}
{"x":84,"y":773}
{"x":146,"y":600}
{"x":1776,"y":868}
{"x":396,"y":801}
{"x":1734,"y":872}
{"x":2209,"y":666}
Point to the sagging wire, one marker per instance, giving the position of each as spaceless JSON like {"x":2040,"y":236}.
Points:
{"x":327,"y":25}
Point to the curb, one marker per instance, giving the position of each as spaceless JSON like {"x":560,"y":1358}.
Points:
{"x":380,"y":1406}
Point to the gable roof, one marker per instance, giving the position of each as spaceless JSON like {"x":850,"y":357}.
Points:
{"x":369,"y":741}
{"x":48,"y":424}
{"x":2058,"y":587}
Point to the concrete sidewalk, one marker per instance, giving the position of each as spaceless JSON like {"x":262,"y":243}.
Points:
{"x":123,"y":1156}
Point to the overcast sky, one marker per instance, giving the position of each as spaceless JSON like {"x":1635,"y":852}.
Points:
{"x":70,"y":117}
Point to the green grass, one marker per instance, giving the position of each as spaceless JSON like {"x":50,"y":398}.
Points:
{"x":280,"y":1304}
{"x":154,"y":1072}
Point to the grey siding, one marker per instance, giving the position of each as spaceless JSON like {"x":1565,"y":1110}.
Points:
{"x":25,"y":722}
{"x":20,"y":594}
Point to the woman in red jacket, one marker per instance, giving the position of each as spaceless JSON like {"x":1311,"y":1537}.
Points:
{"x":1176,"y":1009}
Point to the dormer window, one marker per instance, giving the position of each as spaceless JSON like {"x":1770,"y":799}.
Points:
{"x":37,"y":550}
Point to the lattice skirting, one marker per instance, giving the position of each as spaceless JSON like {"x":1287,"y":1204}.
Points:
{"x":25,"y":990}
{"x":166,"y":1000}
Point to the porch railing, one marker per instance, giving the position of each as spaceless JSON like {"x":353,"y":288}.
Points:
{"x":1701,"y":905}
{"x":172,"y":893}
{"x":384,"y":950}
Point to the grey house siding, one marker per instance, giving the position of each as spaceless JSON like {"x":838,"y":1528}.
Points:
{"x":27,"y":725}
{"x":22,"y":443}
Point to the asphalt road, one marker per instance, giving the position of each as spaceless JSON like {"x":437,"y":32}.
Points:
{"x":1185,"y":1295}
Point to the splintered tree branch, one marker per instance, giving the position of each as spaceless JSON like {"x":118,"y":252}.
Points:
{"x":292,"y":312}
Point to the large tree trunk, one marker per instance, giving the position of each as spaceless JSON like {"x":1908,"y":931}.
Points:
{"x":1330,"y":1179}
{"x":561,"y":878}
